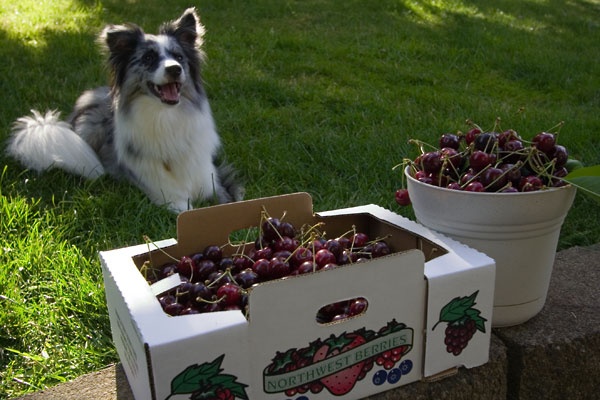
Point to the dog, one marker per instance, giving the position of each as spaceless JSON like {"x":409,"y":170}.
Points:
{"x":152,"y":125}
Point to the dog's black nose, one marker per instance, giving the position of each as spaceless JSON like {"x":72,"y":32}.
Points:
{"x":174,"y":70}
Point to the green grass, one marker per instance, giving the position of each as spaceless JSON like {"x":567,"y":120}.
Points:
{"x":316,"y":96}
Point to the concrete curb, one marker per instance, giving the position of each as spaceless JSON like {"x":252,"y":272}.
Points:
{"x":555,"y":355}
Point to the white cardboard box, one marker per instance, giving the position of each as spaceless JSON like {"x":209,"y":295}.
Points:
{"x":413,"y":293}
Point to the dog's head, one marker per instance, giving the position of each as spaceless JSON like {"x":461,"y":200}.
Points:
{"x":165,"y":66}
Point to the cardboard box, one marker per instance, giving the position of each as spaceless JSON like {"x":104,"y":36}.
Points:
{"x":413,"y":295}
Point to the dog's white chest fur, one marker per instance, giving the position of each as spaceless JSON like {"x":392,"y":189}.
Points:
{"x":169,"y":148}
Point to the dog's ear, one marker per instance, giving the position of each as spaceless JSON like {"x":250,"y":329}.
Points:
{"x":187,"y":28}
{"x":121,"y":39}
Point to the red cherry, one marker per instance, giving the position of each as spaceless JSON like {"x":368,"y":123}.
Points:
{"x":544,"y":141}
{"x":560,"y":155}
{"x":431,"y":162}
{"x":323,"y":257}
{"x":475,"y":187}
{"x":358,"y":306}
{"x":493,"y":179}
{"x":471,"y":135}
{"x":454,"y":186}
{"x":402,"y":197}
{"x":230,"y":293}
{"x":359,"y":239}
{"x":449,"y":140}
{"x":452,"y":156}
{"x":480,"y":159}
{"x":530,"y":183}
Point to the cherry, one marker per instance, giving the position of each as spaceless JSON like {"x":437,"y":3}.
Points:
{"x":512,"y":151}
{"x":359,"y":239}
{"x":486,"y":142}
{"x":438,"y":179}
{"x":380,"y":249}
{"x":278,"y":268}
{"x":530,"y":183}
{"x":454,"y":186}
{"x":452,"y":156}
{"x":480,"y":160}
{"x":468,"y":177}
{"x":507,"y":136}
{"x":230,"y":294}
{"x":168,"y":270}
{"x":286,"y":229}
{"x":334,"y":246}
{"x":183,"y":291}
{"x":509,"y":189}
{"x":305,"y":268}
{"x":357,"y":306}
{"x":544,"y":141}
{"x":346,"y":257}
{"x":300,"y":255}
{"x":493,"y":179}
{"x":174,"y":309}
{"x":265,"y":252}
{"x":474,"y":186}
{"x":555,"y":181}
{"x":421,"y":174}
{"x":431,"y":162}
{"x":560,"y":155}
{"x":426,"y":179}
{"x":449,"y":140}
{"x":261,"y":267}
{"x":471,"y":135}
{"x":270,"y":228}
{"x":199,"y":293}
{"x":285,"y":243}
{"x":167,"y":299}
{"x":330,"y":265}
{"x":513,"y":173}
{"x":189,"y":311}
{"x":241,"y":262}
{"x":317,"y":244}
{"x":402,"y":197}
{"x":323,"y":257}
{"x":203,"y":270}
{"x":185,"y":266}
{"x":344,"y":241}
{"x":246,"y":278}
{"x":227,"y":263}
{"x":218,"y":278}
{"x":213,"y":253}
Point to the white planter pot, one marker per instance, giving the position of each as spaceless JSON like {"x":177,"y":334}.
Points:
{"x":519,"y":230}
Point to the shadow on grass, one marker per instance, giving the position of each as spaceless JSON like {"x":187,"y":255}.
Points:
{"x":280,"y":74}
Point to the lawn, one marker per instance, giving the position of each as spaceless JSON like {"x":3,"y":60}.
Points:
{"x":318,"y":96}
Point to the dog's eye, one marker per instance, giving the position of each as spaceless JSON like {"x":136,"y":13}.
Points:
{"x":149,"y":57}
{"x":178,"y":57}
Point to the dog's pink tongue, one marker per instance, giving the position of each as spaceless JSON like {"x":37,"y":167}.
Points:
{"x":169,"y":92}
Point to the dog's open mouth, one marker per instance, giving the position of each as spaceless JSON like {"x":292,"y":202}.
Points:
{"x":167,"y":93}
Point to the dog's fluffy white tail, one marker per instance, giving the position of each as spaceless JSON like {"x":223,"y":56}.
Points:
{"x":42,"y":142}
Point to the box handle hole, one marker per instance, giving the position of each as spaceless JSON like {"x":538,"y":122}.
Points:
{"x":342,"y":310}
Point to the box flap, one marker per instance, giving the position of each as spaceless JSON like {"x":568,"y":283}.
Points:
{"x":207,"y":225}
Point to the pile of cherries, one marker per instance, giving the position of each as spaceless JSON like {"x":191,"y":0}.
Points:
{"x":212,"y":281}
{"x":479,"y":161}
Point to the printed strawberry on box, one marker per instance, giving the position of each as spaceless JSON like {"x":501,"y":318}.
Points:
{"x":428,"y":311}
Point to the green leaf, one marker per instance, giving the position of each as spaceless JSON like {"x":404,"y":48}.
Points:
{"x":587,"y":179}
{"x":456,"y":309}
{"x":475,"y":315}
{"x":195,"y":377}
